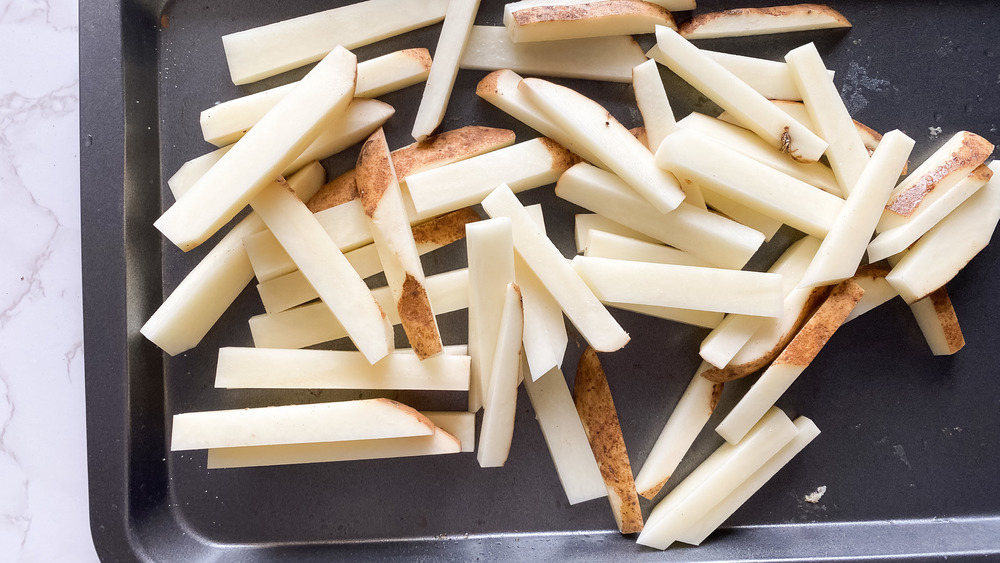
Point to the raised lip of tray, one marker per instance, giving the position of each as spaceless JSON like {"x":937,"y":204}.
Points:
{"x":129,"y":515}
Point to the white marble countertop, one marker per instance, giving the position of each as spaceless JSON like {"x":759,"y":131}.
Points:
{"x":43,"y":447}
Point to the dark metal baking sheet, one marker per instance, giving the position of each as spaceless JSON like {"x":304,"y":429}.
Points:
{"x":909,"y":441}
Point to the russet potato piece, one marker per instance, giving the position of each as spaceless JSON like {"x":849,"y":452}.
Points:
{"x":268,"y":50}
{"x":500,"y":392}
{"x":762,"y":21}
{"x":596,"y":408}
{"x":562,"y":19}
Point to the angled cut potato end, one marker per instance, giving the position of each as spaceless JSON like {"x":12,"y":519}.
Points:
{"x":761,"y":21}
{"x":534,"y":21}
{"x":600,"y":420}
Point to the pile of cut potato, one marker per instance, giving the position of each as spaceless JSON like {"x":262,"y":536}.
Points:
{"x":679,"y":209}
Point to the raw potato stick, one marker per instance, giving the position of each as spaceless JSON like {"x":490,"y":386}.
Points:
{"x":596,"y":407}
{"x":434,"y":152}
{"x":697,"y":157}
{"x":524,"y":166}
{"x":583,"y":309}
{"x":715,"y":479}
{"x":949,"y":165}
{"x":314,"y":323}
{"x":323,"y":264}
{"x":762,"y":21}
{"x":847,"y":153}
{"x":268,"y":368}
{"x":844,"y":246}
{"x":549,"y":21}
{"x":711,"y":237}
{"x":871,"y":278}
{"x":500,"y":88}
{"x":194,"y":306}
{"x":297,"y":424}
{"x":454,"y":35}
{"x":500,"y":397}
{"x":595,"y":58}
{"x":705,"y":319}
{"x":792,"y":361}
{"x":682,"y":287}
{"x":608,"y":139}
{"x":754,"y":111}
{"x":360,"y":120}
{"x":382,"y":199}
{"x":748,"y":144}
{"x":897,"y":239}
{"x":609,"y":245}
{"x":438,"y":443}
{"x":767,"y":226}
{"x":225,"y":123}
{"x":771,"y":79}
{"x":686,"y":420}
{"x":721,"y":512}
{"x":586,"y":223}
{"x":263,"y":153}
{"x":937,"y":321}
{"x":565,"y":437}
{"x":657,"y":115}
{"x":490,"y":250}
{"x":268,"y":50}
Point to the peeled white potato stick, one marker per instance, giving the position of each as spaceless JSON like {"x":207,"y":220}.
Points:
{"x":291,"y":289}
{"x":454,"y":34}
{"x":596,"y":407}
{"x":545,"y":336}
{"x":947,"y":248}
{"x":899,"y":238}
{"x":715,"y":479}
{"x":723,"y":510}
{"x":360,"y":120}
{"x":754,"y":111}
{"x":716,"y":239}
{"x":741,"y":22}
{"x":844,"y":246}
{"x":792,"y":361}
{"x":523,"y":166}
{"x":847,"y":153}
{"x":314,"y":323}
{"x":594,"y":58}
{"x":324,"y":265}
{"x":609,"y":245}
{"x":382,"y":199}
{"x":500,"y":88}
{"x":565,"y":437}
{"x":271,"y":368}
{"x":705,"y":319}
{"x":500,"y":396}
{"x":608,"y":139}
{"x":937,"y":320}
{"x":194,"y":306}
{"x":958,"y":157}
{"x":716,"y":167}
{"x":297,"y":424}
{"x":583,"y":309}
{"x":585,"y":223}
{"x":683,"y":287}
{"x":490,"y":250}
{"x":686,"y":420}
{"x":771,"y":79}
{"x":263,"y":153}
{"x":438,"y":443}
{"x":561,"y":19}
{"x":746,"y":143}
{"x":268,"y":50}
{"x":225,"y":123}
{"x":657,"y":115}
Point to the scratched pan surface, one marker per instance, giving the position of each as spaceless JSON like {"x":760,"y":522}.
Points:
{"x":909,"y":441}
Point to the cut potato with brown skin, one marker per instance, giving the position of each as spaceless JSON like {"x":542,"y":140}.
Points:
{"x":762,"y":21}
{"x":531,"y":21}
{"x":433,"y":152}
{"x":600,"y":420}
{"x":937,"y":320}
